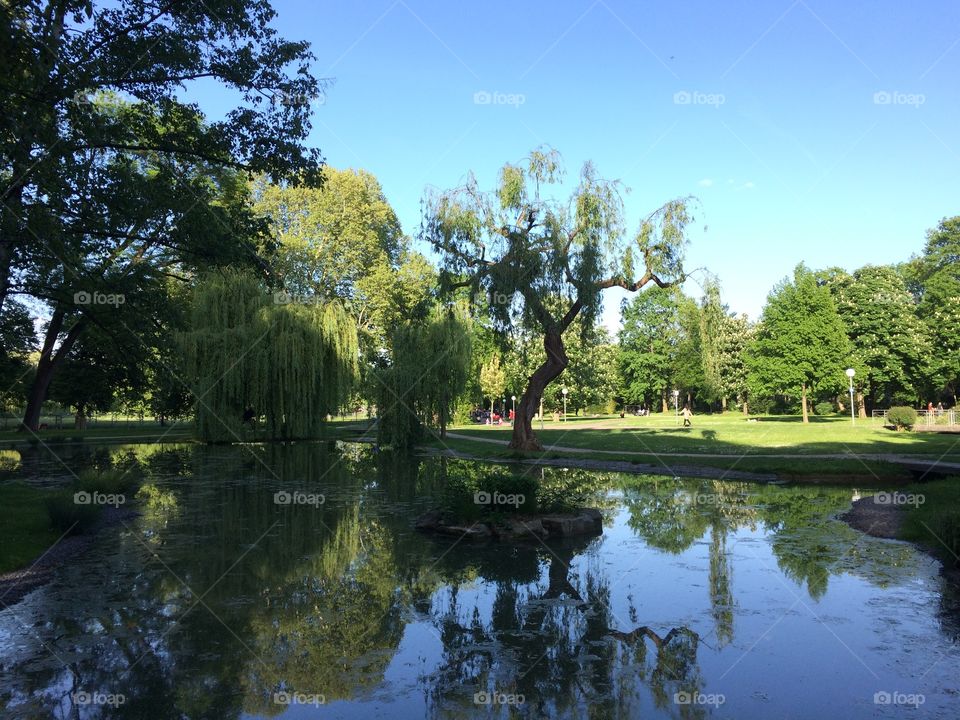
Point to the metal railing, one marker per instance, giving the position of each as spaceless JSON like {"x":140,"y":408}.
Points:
{"x":925,"y":418}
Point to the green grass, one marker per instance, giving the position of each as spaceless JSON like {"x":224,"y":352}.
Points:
{"x":26,"y":526}
{"x":731,"y":434}
{"x":786,"y":468}
{"x":936,"y":523}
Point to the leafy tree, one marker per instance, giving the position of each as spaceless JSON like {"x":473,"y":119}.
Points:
{"x":689,"y":373}
{"x":431,"y":362}
{"x":801,"y":343}
{"x":892,"y":346}
{"x":292,"y":363}
{"x":108,"y":180}
{"x":936,"y":281}
{"x":550,"y":260}
{"x":648,"y":344}
{"x":17,"y":342}
{"x":493,"y":379}
{"x":733,"y":337}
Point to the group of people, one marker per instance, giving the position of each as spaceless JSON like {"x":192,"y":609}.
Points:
{"x":486,"y":417}
{"x":938,"y":410}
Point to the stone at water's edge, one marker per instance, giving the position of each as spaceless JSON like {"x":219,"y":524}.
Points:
{"x":586,"y":521}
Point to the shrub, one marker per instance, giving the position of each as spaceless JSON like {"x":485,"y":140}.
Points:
{"x":470,"y":494}
{"x":67,"y":515}
{"x":824,"y":408}
{"x":112,"y":481}
{"x":902,"y":417}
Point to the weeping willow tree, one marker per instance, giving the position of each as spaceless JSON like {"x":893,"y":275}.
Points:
{"x":430,"y":365}
{"x":542,"y":263}
{"x":247,"y":354}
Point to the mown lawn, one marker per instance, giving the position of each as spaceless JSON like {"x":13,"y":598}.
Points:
{"x":731,"y":434}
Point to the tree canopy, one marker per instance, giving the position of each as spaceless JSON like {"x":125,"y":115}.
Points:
{"x":542,"y":263}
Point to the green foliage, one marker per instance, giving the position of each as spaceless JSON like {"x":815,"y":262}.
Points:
{"x":25,"y":524}
{"x":428,"y":374}
{"x":648,"y":344}
{"x":936,"y":521}
{"x":112,"y":481}
{"x":825,"y":408}
{"x":902,"y":417}
{"x":67,"y":515}
{"x":892,"y":346}
{"x":291,"y":363}
{"x":493,"y":379}
{"x":468,"y":494}
{"x":801,"y":345}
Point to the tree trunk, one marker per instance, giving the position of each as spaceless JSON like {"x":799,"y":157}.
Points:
{"x":746,"y":406}
{"x":723,"y":404}
{"x":862,"y":411}
{"x":523,"y":436}
{"x":80,"y":419}
{"x":663,"y":402}
{"x":47,"y":366}
{"x":803,"y":403}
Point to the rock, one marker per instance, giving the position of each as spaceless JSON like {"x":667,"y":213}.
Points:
{"x":520,"y":528}
{"x":586,"y":522}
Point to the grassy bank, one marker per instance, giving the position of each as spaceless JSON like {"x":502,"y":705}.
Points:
{"x":27,"y":531}
{"x":936,"y":522}
{"x":731,"y":434}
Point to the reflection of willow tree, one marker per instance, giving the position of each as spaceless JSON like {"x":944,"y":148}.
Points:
{"x":551,"y":638}
{"x":671,"y":515}
{"x":255,"y":571}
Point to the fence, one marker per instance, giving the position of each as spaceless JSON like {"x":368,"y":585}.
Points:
{"x":925,"y":418}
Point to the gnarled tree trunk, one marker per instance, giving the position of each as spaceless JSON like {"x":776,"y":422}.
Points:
{"x":523,"y":436}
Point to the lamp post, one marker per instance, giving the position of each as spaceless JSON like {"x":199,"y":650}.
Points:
{"x":564,"y":391}
{"x":514,"y":411}
{"x":676,"y":403}
{"x":850,"y":373}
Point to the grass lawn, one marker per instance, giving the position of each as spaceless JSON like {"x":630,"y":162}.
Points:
{"x":731,"y":434}
{"x":26,"y":527}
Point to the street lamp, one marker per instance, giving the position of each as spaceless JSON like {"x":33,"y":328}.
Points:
{"x":676,"y":403}
{"x":514,"y":398}
{"x":850,"y":373}
{"x":564,"y":391}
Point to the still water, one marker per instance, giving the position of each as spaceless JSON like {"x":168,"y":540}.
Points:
{"x":701,"y":599}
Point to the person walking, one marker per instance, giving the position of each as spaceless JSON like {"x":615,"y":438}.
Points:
{"x":687,"y":414}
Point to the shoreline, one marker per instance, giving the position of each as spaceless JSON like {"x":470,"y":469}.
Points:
{"x":17,"y":584}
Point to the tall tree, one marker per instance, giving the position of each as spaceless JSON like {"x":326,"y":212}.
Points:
{"x":428,"y":374}
{"x":517,"y":244}
{"x":493,"y":379}
{"x":892,"y":346}
{"x":733,"y":337}
{"x":105,"y":172}
{"x":801,"y":344}
{"x":648,"y":338}
{"x":936,"y":282}
{"x":292,"y":363}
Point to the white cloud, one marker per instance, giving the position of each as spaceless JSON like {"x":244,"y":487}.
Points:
{"x":748,"y":185}
{"x":706,"y":182}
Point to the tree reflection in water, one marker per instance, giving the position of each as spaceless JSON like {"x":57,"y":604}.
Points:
{"x":216,"y":598}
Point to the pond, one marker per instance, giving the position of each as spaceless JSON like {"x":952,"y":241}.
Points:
{"x":702,"y":598}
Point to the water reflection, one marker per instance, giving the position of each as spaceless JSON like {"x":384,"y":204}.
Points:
{"x":217,"y":598}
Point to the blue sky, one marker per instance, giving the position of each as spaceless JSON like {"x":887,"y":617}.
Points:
{"x":813,"y":130}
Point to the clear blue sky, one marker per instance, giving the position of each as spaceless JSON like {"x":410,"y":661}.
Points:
{"x":784,"y":138}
